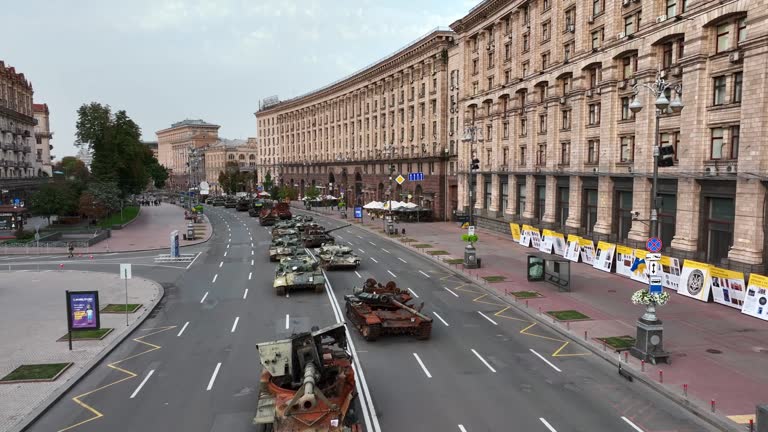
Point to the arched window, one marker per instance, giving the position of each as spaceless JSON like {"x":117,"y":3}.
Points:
{"x":241,"y":157}
{"x":231,"y":157}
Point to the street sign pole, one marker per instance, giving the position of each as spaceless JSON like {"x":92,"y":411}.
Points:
{"x":126,"y":298}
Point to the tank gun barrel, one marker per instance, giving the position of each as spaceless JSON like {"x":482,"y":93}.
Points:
{"x":410,"y":309}
{"x":308,"y":400}
{"x":337,"y":228}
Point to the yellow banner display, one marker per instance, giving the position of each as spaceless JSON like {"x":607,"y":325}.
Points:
{"x":604,"y":256}
{"x":756,"y":300}
{"x":670,"y":272}
{"x":695,"y":280}
{"x":624,"y":258}
{"x":728,"y":287}
{"x":573,"y":249}
{"x":530,"y":237}
{"x":639,"y":268}
{"x":515,"y":230}
{"x":587,"y":251}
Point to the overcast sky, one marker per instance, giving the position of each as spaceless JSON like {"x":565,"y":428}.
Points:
{"x":167,"y":60}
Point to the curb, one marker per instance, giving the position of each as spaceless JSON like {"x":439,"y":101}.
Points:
{"x":714,"y":420}
{"x":44,"y":406}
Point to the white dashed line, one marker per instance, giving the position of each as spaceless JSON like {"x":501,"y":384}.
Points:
{"x":358,"y":237}
{"x":358,"y":274}
{"x":234,"y":326}
{"x":225,"y":253}
{"x":287,"y":321}
{"x":413,"y":292}
{"x":204,"y":297}
{"x":374,"y":260}
{"x":214,"y":278}
{"x":372,"y":243}
{"x":461,"y":428}
{"x":245,"y":294}
{"x":144,"y":381}
{"x":546,"y":361}
{"x":182,"y":329}
{"x":393,"y":275}
{"x":250,"y":275}
{"x":227,"y":246}
{"x":213,"y":377}
{"x":251,"y":262}
{"x":424,"y":368}
{"x":634,"y":426}
{"x":402,"y":260}
{"x":454,"y":294}
{"x":221,"y":264}
{"x":549,"y":426}
{"x":361,"y":251}
{"x":483,"y":360}
{"x":386,"y":251}
{"x":428,"y":276}
{"x":251,"y":252}
{"x":486,"y":317}
{"x":440,"y":318}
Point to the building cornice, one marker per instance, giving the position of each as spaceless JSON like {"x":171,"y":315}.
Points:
{"x":479,"y":14}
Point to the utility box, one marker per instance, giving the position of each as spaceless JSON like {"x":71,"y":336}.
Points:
{"x":190,"y":232}
{"x":470,"y":257}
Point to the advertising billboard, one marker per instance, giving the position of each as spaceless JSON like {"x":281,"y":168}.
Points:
{"x":83,"y":310}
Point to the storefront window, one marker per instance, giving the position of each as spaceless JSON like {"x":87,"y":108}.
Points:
{"x":541,"y":201}
{"x":719,"y":225}
{"x":590,"y":210}
{"x":667,"y":218}
{"x":624,"y":214}
{"x":562,"y":205}
{"x":520,"y":199}
{"x":488,"y":191}
{"x":504,"y":193}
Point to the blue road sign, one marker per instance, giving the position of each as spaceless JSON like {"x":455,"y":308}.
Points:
{"x":16,"y":201}
{"x":358,"y":212}
{"x":653,"y":245}
{"x":416,"y":176}
{"x":655,"y":289}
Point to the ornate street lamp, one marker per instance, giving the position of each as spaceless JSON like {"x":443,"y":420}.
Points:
{"x":472,"y":135}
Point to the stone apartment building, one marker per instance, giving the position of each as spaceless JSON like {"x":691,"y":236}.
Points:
{"x":179,"y":148}
{"x":550,"y":83}
{"x":344,"y":137}
{"x":218,"y":154}
{"x":17,"y":125}
{"x":43,"y":137}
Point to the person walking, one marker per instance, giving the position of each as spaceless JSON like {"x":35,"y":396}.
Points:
{"x":71,"y":249}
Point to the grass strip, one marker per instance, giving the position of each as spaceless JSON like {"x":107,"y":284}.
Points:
{"x":568,"y":315}
{"x":494,"y":279}
{"x":437,"y":252}
{"x":526,"y":294}
{"x":619,"y":342}
{"x":42,"y":372}
{"x":121,"y":308}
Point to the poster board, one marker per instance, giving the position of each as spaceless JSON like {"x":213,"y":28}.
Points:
{"x":573,"y":248}
{"x":535,"y":237}
{"x":756,"y":299}
{"x":625,"y":257}
{"x":587,"y":251}
{"x":670,"y":272}
{"x":515,"y":230}
{"x":525,"y":236}
{"x":640,"y":267}
{"x":83,"y":310}
{"x":547,"y":240}
{"x":695,"y":281}
{"x":559,"y":243}
{"x":604,"y":256}
{"x":728,"y":287}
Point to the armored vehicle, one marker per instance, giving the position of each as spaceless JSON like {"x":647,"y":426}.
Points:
{"x":267,"y":217}
{"x":307,"y":383}
{"x":230,"y":202}
{"x":255,"y":208}
{"x":337,"y":257}
{"x":217,"y":202}
{"x":384,"y":310}
{"x":284,"y":247}
{"x":317,"y":236}
{"x":298,"y":273}
{"x":283,"y":211}
{"x":243,"y":204}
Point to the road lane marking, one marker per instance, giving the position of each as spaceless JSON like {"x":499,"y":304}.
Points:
{"x":144,"y":381}
{"x":634,"y":426}
{"x":486,"y":317}
{"x":225,"y":253}
{"x":372,"y":243}
{"x":251,"y":251}
{"x":483,"y":360}
{"x":424,"y":368}
{"x":350,"y":243}
{"x":251,"y":238}
{"x":402,"y":260}
{"x":393,"y":275}
{"x":454,"y":294}
{"x":428,"y":276}
{"x":287,"y":321}
{"x":386,"y":251}
{"x":359,"y":237}
{"x":340,"y":237}
{"x":221,"y":264}
{"x":461,"y":428}
{"x":245,"y":294}
{"x":361,"y":251}
{"x":216,"y":276}
{"x":182,"y":329}
{"x":227,"y":246}
{"x":204,"y":297}
{"x":193,"y":261}
{"x":251,"y":262}
{"x":441,"y":319}
{"x":213,"y":377}
{"x":250,"y":275}
{"x":234,"y":326}
{"x":374,"y":260}
{"x":251,"y":244}
{"x":549,"y":426}
{"x":545,"y":360}
{"x":358,"y":274}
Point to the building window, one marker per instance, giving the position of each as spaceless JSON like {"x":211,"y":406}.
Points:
{"x":565,"y":153}
{"x":541,"y":155}
{"x":526,"y":68}
{"x":545,"y":33}
{"x":723,"y":37}
{"x":667,"y":214}
{"x":628,"y":66}
{"x":504,"y":194}
{"x":671,"y":8}
{"x":490,"y":59}
{"x":631,"y":23}
{"x":505,"y":129}
{"x":523,"y":126}
{"x":545,"y":60}
{"x":626,"y":113}
{"x":489,"y":132}
{"x":735,"y":130}
{"x":526,"y":42}
{"x":488,"y":194}
{"x":672,"y":138}
{"x":541,"y":201}
{"x":597,"y":38}
{"x":475,"y":63}
{"x":542,"y":123}
{"x":526,"y":14}
{"x":597,"y":7}
{"x":570,"y":19}
{"x":590,"y":210}
{"x":523,"y":156}
{"x":626,"y":149}
{"x":562,"y":205}
{"x":568,"y":50}
{"x":719,"y":223}
{"x":594,"y":114}
{"x":475,"y":87}
{"x":738,"y":78}
{"x":507,"y":76}
{"x":718,"y":143}
{"x":593,"y":151}
{"x":624,"y":214}
{"x":719,"y":90}
{"x":594,"y":76}
{"x":507,"y":51}
{"x":666,"y":55}
{"x":521,"y":189}
{"x":742,"y":33}
{"x":566,"y":114}
{"x":547,"y":5}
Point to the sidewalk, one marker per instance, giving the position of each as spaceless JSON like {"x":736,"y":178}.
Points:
{"x":36,"y":318}
{"x":716,"y":350}
{"x":150,"y":230}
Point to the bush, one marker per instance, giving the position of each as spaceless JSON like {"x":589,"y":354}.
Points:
{"x":24,"y":235}
{"x":469,"y":238}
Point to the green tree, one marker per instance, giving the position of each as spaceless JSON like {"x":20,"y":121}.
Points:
{"x":73,"y":168}
{"x":287,"y":192}
{"x":106,"y":195}
{"x":118,"y":155}
{"x":55,"y":199}
{"x":312,"y":192}
{"x":268,"y":183}
{"x":157,"y":173}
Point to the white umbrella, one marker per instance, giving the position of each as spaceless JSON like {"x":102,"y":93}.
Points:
{"x":264,"y":194}
{"x":410,"y":205}
{"x":373,"y":205}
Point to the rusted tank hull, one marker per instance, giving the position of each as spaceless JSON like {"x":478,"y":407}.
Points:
{"x":374,"y":322}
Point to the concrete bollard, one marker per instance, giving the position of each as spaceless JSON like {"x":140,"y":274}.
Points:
{"x":685,"y":390}
{"x":712,"y":405}
{"x":642,"y":365}
{"x":585,"y":335}
{"x":661,"y":377}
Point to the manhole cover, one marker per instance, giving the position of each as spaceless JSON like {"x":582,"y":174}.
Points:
{"x":611,"y":290}
{"x":714,"y":351}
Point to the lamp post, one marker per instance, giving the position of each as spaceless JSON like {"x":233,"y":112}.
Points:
{"x":658,"y":88}
{"x":472,"y":135}
{"x":389,"y":152}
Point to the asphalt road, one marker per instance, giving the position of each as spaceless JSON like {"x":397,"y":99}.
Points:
{"x":196,"y":366}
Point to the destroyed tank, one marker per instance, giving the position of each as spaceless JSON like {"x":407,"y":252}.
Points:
{"x":333,"y":256}
{"x":230,"y":202}
{"x":242,"y":205}
{"x":267,"y":217}
{"x":255,"y":209}
{"x":283,"y":211}
{"x":307,"y":383}
{"x":217,"y":202}
{"x":378,"y":310}
{"x":284,"y":247}
{"x":298,"y":272}
{"x":314,"y":237}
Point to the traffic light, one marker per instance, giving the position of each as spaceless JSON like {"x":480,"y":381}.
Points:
{"x":667,"y":155}
{"x":475,"y":164}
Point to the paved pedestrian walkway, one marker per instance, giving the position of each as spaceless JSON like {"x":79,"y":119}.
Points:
{"x":34,"y":318}
{"x":149,"y":231}
{"x":719,"y":353}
